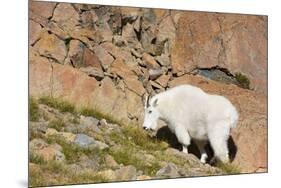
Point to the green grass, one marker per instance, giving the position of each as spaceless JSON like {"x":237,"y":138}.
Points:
{"x":33,"y":158}
{"x":162,"y":156}
{"x":127,"y":155}
{"x":55,"y":173}
{"x":132,"y":141}
{"x":57,"y":124}
{"x":85,"y":111}
{"x":36,"y":178}
{"x":72,"y":152}
{"x":34,"y":114}
{"x":61,"y":105}
{"x":243,"y":81}
{"x":141,"y":138}
{"x":228,"y":168}
{"x":88,"y":177}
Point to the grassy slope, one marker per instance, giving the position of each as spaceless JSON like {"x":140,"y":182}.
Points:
{"x":130,"y":142}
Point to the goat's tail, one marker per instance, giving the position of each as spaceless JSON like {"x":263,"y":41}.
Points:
{"x":234,"y":116}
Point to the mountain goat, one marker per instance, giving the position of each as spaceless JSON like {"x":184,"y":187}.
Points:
{"x":193,"y":114}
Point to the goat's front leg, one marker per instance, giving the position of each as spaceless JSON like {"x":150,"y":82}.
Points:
{"x":183,"y":137}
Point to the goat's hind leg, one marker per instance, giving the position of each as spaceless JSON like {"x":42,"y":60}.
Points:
{"x":183,"y":137}
{"x":218,"y":140}
{"x":201,"y":146}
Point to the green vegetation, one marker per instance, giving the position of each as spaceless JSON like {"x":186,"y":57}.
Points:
{"x":228,"y":168}
{"x":85,"y":111}
{"x":64,"y":106}
{"x":36,"y":178}
{"x":243,"y":81}
{"x":72,"y":152}
{"x":56,"y":173}
{"x":33,"y":110}
{"x":127,"y":155}
{"x":36,"y":159}
{"x":61,"y":105}
{"x":140,"y":138}
{"x":132,"y":141}
{"x":57,"y":124}
{"x":88,"y":177}
{"x":133,"y":146}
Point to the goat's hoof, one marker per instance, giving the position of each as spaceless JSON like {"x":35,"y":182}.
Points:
{"x":203,"y":161}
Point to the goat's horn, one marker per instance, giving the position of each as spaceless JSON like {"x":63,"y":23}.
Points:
{"x":145,"y":98}
{"x":148,"y":99}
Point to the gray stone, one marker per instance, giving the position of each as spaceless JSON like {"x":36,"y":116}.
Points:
{"x":126,"y":173}
{"x":110,"y":162}
{"x":103,"y":122}
{"x":164,"y":59}
{"x":90,"y":123}
{"x":170,"y":170}
{"x":83,"y":140}
{"x":99,"y":145}
{"x":40,"y":148}
{"x":37,"y":144}
{"x":108,"y":175}
{"x":87,"y":163}
{"x":155,"y":73}
{"x":38,"y":127}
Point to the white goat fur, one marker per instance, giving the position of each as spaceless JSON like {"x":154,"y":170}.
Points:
{"x":193,"y":114}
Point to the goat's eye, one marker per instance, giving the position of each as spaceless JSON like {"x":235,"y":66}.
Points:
{"x":149,"y":111}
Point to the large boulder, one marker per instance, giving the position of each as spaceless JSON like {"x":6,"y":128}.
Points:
{"x":34,"y":32}
{"x":209,"y":40}
{"x":51,"y":46}
{"x":66,"y":16}
{"x":40,"y":148}
{"x":42,"y":9}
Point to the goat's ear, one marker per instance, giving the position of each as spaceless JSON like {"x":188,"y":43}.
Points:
{"x":155,"y":103}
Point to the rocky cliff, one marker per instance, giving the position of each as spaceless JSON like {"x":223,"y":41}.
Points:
{"x":106,"y":58}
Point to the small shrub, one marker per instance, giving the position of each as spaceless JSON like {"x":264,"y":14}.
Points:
{"x":33,"y":158}
{"x":61,"y":105}
{"x":33,"y":110}
{"x":57,"y":124}
{"x":243,"y":81}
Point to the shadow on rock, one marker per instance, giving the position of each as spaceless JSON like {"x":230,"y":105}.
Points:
{"x":166,"y":135}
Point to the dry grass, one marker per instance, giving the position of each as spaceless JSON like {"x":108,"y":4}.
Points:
{"x":57,"y":103}
{"x":228,"y":168}
{"x":34,"y":114}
